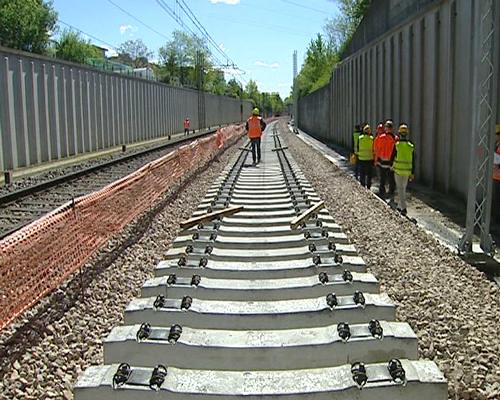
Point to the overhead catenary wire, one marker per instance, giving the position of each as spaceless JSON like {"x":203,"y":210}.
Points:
{"x":293,"y":3}
{"x":204,"y":33}
{"x":138,"y":20}
{"x":167,"y":9}
{"x":112,"y":46}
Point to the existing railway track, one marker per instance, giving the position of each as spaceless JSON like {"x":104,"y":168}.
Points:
{"x":246,"y":306}
{"x":22,"y":206}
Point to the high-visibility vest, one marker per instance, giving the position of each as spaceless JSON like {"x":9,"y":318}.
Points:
{"x":365,"y":148}
{"x":186,"y":124}
{"x":384,"y":146}
{"x":355,"y":137}
{"x":404,"y":158}
{"x":254,"y":128}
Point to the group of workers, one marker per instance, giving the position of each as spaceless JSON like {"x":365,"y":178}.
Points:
{"x":392,"y":154}
{"x":394,"y":157}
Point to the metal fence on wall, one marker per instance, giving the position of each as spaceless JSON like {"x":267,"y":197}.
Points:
{"x":419,"y":73}
{"x":50,"y":109}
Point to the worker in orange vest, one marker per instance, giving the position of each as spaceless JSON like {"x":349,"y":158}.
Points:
{"x":383,"y":147}
{"x":380,"y":129}
{"x":255,"y":126}
{"x":187,"y":124}
{"x":495,"y":205}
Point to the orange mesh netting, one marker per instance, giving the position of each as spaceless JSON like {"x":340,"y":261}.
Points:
{"x":38,"y":258}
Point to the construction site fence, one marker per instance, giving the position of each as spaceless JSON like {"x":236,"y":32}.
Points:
{"x":52,"y":109}
{"x":419,"y":73}
{"x":38,"y":258}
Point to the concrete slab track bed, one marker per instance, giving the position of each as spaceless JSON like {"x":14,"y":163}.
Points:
{"x":252,"y":306}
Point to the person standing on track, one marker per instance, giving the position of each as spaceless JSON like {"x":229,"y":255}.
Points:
{"x":495,"y":204}
{"x":403,"y":165}
{"x":365,"y":157}
{"x":187,"y":124}
{"x":384,"y":147}
{"x":255,"y":126}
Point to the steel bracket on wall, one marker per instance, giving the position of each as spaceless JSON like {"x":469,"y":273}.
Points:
{"x":484,"y":121}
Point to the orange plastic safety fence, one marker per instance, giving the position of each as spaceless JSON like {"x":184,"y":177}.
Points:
{"x":38,"y":258}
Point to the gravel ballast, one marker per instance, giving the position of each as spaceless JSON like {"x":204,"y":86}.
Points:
{"x":41,"y":360}
{"x":453,"y":308}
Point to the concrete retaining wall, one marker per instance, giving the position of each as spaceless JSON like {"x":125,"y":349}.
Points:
{"x":51,"y":109}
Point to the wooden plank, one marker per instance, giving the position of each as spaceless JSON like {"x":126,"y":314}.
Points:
{"x":210,"y":216}
{"x":306,"y":214}
{"x":280,"y":148}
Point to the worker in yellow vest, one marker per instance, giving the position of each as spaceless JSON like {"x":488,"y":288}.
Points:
{"x":365,"y":156}
{"x":355,"y":139}
{"x":255,"y":126}
{"x":495,"y":204}
{"x":403,"y":165}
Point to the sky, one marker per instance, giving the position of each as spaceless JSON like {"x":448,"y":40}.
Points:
{"x":258,"y":35}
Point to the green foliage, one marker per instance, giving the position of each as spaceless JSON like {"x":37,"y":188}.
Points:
{"x":134,"y":53}
{"x":339,"y":30}
{"x":252,"y":92}
{"x":26,"y":24}
{"x":317,"y":68}
{"x":72,"y":47}
{"x":323,"y":53}
{"x":233,"y":88}
{"x":215,"y":82}
{"x":268,"y":103}
{"x":180,"y":58}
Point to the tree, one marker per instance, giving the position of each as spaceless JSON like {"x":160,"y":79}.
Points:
{"x":72,"y":47}
{"x":179,"y":58}
{"x":252,"y":92}
{"x":317,"y":67}
{"x":215,"y":81}
{"x":134,"y":53}
{"x":339,"y":30}
{"x":26,"y":24}
{"x":233,"y":88}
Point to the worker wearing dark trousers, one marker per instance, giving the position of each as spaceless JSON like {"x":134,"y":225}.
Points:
{"x":384,"y":147}
{"x":255,"y":126}
{"x":495,"y":204}
{"x":355,"y":139}
{"x":365,"y":157}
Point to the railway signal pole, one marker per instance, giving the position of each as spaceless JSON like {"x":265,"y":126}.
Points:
{"x":484,"y":111}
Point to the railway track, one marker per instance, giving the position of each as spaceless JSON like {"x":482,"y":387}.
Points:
{"x":25,"y":205}
{"x":245,"y":306}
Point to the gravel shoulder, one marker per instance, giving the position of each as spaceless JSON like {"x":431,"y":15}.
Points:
{"x":42,"y":355}
{"x":453,"y":308}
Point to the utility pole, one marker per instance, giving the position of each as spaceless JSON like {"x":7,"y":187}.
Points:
{"x":484,"y":107}
{"x":295,"y":91}
{"x":200,"y":85}
{"x":241,"y":102}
